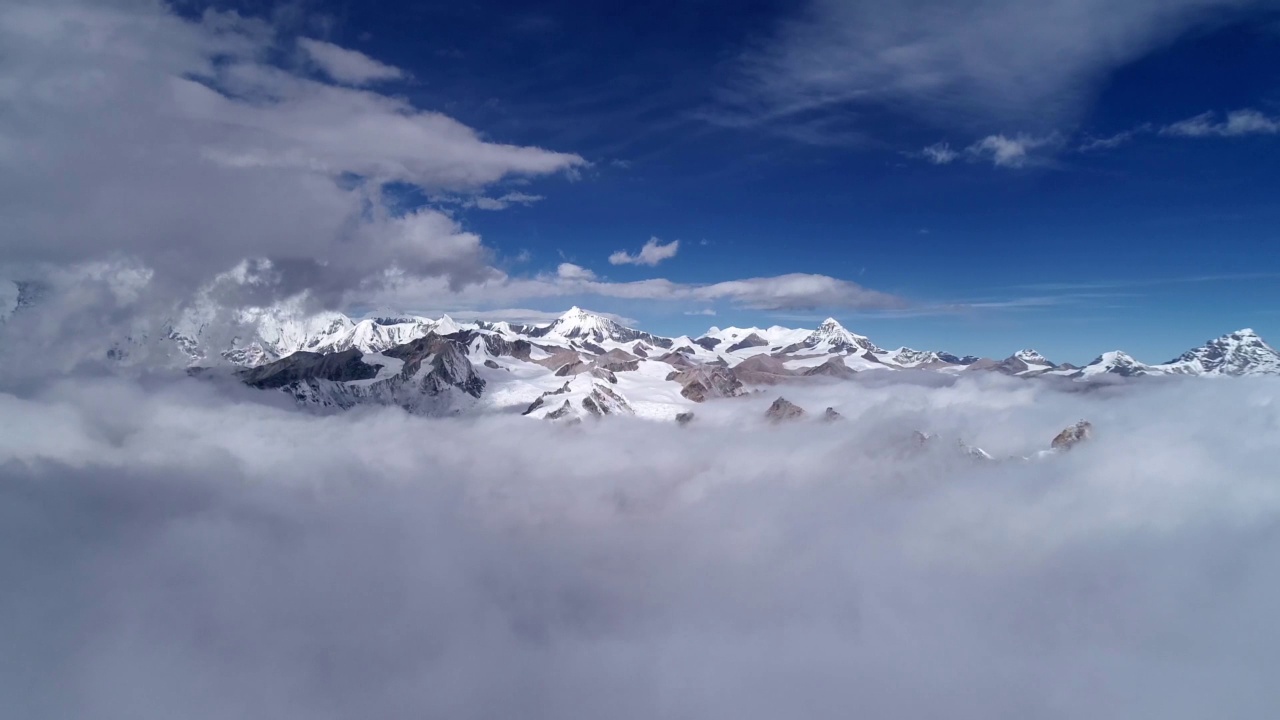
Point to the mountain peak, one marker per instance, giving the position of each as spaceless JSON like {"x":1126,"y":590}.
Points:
{"x":1032,"y":357}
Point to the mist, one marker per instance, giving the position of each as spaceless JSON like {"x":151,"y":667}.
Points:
{"x":183,"y":549}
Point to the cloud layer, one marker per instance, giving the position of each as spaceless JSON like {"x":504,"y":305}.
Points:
{"x":176,"y":550}
{"x":177,"y":144}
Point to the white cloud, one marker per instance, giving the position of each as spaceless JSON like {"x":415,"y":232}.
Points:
{"x":503,"y":202}
{"x":569,"y":271}
{"x":174,"y":144}
{"x":219,"y":558}
{"x":350,"y":67}
{"x":651,"y":254}
{"x":705,"y":312}
{"x":1010,"y":152}
{"x":782,"y":292}
{"x":971,"y":64}
{"x":1237,"y":123}
{"x":940,"y":153}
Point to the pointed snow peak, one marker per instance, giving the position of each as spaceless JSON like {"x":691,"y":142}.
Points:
{"x":446,"y":326}
{"x":838,"y":337}
{"x":1238,"y":353}
{"x":1032,"y":357}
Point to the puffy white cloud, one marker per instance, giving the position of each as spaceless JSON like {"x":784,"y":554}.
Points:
{"x":351,"y":67}
{"x":653,"y":252}
{"x":569,"y":271}
{"x":1236,"y":123}
{"x":135,"y":133}
{"x":173,"y":551}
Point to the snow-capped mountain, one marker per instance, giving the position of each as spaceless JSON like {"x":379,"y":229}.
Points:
{"x":578,"y":324}
{"x":585,"y":365}
{"x":1238,"y":353}
{"x":1233,"y":355}
{"x":1115,"y":363}
{"x":831,"y":336}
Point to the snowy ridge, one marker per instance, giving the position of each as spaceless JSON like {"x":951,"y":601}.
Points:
{"x":601,"y":368}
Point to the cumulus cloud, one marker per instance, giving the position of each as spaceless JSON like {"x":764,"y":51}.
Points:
{"x":1236,"y":123}
{"x":706,"y":312}
{"x":351,"y":67}
{"x":137,"y":134}
{"x":178,"y":551}
{"x":569,"y":271}
{"x":973,"y":63}
{"x":651,"y":254}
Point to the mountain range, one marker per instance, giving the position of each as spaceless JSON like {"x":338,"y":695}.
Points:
{"x":585,"y":364}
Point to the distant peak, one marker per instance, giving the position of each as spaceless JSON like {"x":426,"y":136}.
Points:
{"x":831,"y":323}
{"x":1245,"y":332}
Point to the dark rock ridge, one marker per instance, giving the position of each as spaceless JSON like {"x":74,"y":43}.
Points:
{"x":343,"y":366}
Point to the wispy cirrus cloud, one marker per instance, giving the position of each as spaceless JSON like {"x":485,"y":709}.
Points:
{"x":1235,"y":124}
{"x":970,"y":64}
{"x":350,"y":67}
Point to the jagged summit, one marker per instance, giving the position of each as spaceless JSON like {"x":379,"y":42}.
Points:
{"x":1032,"y":357}
{"x":1239,"y":353}
{"x":832,"y":335}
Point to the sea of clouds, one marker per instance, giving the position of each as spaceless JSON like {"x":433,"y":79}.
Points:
{"x":180,"y":548}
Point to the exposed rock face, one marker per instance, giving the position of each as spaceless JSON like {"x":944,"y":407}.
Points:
{"x":704,"y":382}
{"x":1073,"y":436}
{"x":605,"y":375}
{"x":707,"y":343}
{"x":750,"y":341}
{"x":677,"y":359}
{"x":762,"y":370}
{"x":782,"y":410}
{"x":542,"y":399}
{"x":830,"y":415}
{"x":572,"y":368}
{"x":834,"y":367}
{"x":684,"y":418}
{"x":603,"y":401}
{"x":565,"y":410}
{"x":492,"y":365}
{"x":640,"y":350}
{"x":618,"y":361}
{"x":301,"y":366}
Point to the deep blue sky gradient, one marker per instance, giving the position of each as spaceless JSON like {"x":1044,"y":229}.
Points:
{"x":1153,"y":246}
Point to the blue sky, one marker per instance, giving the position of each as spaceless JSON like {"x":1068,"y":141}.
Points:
{"x":978,"y":176}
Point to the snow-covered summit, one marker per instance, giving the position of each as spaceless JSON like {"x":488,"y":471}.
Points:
{"x":832,"y":336}
{"x":1242,"y":352}
{"x":1032,"y":357}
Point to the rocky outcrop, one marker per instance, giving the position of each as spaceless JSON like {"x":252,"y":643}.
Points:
{"x":834,"y":367}
{"x":705,"y":382}
{"x":831,"y":415}
{"x":1072,"y":436}
{"x":782,"y":410}
{"x":762,"y":370}
{"x":750,"y":341}
{"x":684,"y":418}
{"x":342,"y":366}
